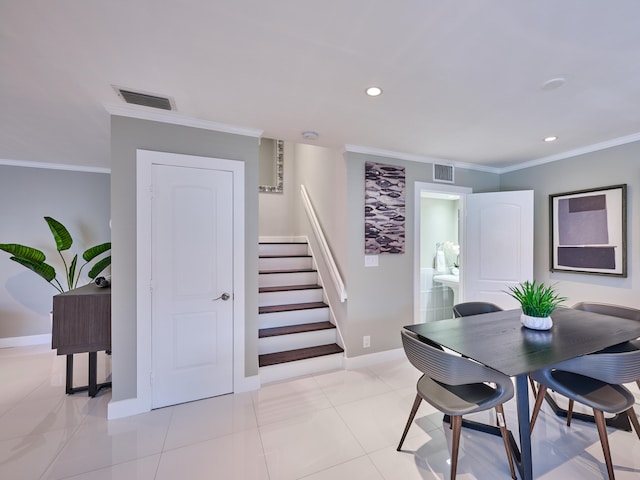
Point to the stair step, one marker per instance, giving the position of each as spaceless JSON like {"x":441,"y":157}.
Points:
{"x":291,"y":307}
{"x":292,"y":270}
{"x":275,"y":255}
{"x":291,"y":329}
{"x":283,"y":248}
{"x":299,"y":354}
{"x":288,"y":288}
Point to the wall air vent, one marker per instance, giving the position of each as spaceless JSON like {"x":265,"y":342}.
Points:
{"x":145,"y":99}
{"x":443,"y":173}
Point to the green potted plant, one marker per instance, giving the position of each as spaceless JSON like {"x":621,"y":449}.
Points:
{"x":537,"y":301}
{"x":34,"y":259}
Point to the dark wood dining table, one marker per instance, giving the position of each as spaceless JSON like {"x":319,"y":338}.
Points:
{"x":499,"y":341}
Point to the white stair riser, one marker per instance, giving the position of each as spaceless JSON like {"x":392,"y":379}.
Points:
{"x":284,"y":279}
{"x":294,"y":341}
{"x":283,"y":249}
{"x":283,"y":371}
{"x":296,"y":317}
{"x":289,"y":297}
{"x":284,"y":263}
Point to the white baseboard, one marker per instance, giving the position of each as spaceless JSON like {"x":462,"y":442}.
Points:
{"x":126,"y":408}
{"x":373,"y":358}
{"x":25,"y":341}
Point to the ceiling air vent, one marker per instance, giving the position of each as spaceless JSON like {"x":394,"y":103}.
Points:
{"x":145,"y":99}
{"x":442,"y":173}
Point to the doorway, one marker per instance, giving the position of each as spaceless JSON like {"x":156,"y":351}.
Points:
{"x":439,"y":250}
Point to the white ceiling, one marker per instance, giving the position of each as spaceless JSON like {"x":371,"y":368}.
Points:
{"x":462,"y":79}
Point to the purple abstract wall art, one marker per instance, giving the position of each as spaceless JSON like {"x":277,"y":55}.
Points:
{"x":384,"y":209}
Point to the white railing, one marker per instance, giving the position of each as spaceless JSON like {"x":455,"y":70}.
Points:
{"x":324,"y":247}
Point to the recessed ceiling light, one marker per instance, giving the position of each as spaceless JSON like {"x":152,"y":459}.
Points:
{"x":373,"y":91}
{"x":550,"y":139}
{"x":309,"y":135}
{"x":553,"y":83}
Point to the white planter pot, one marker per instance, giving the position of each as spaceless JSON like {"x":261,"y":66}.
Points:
{"x":536,"y":323}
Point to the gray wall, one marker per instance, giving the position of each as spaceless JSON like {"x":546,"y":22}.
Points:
{"x":80,"y":201}
{"x":277,"y":210}
{"x":381,"y":299}
{"x":127,"y":135}
{"x":598,"y":169}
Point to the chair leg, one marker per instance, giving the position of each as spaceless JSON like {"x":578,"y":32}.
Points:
{"x":455,"y":443}
{"x":414,"y":409}
{"x":634,"y":420}
{"x":533,"y":387}
{"x":569,"y":412}
{"x":502,"y":424}
{"x":604,"y":440}
{"x":542,"y":390}
{"x":638,"y":383}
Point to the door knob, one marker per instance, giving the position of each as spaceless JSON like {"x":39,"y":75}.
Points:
{"x":224,"y":296}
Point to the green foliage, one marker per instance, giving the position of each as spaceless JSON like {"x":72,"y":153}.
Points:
{"x":536,"y":299}
{"x":34,"y":259}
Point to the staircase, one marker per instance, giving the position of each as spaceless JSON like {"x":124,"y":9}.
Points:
{"x":296,"y":336}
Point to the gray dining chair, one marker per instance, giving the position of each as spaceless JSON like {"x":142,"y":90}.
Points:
{"x":466,"y":309}
{"x":595,"y":381}
{"x":614,"y":311}
{"x":456,"y":386}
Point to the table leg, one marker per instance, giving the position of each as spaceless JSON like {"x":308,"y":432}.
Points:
{"x":524,"y":461}
{"x":93,"y":374}
{"x":69,"y":379}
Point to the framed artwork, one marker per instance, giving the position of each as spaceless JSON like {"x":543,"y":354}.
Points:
{"x":588,"y":231}
{"x":384,"y":209}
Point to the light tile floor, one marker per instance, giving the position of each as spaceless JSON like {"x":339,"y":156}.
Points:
{"x":332,"y":426}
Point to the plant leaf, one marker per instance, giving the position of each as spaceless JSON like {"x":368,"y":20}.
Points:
{"x":99,"y":267}
{"x":44,"y":270}
{"x":60,"y":234}
{"x":93,"y":252}
{"x":24,"y":252}
{"x":72,"y":272}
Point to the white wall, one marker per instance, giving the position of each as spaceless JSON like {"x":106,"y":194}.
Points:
{"x":80,"y":201}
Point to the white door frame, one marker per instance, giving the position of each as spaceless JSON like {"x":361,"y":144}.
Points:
{"x":420,"y":187}
{"x":145,"y":160}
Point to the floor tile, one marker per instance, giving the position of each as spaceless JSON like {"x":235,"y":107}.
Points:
{"x":346,"y":386}
{"x":307,"y":444}
{"x":279,"y":401}
{"x":210,"y":418}
{"x":144,"y":468}
{"x":361,"y":468}
{"x":235,"y":457}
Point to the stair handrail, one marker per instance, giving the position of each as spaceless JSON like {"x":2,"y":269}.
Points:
{"x":324,"y":247}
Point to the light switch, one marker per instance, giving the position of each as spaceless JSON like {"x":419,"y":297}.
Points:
{"x":371,"y":260}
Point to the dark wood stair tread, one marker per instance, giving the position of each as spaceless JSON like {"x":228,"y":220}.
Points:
{"x":291,"y":329}
{"x":292,"y":270}
{"x":292,"y":255}
{"x":292,"y":307}
{"x":299,"y":354}
{"x":287,"y":288}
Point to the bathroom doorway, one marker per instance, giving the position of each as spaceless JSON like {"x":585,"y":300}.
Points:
{"x":439,"y":250}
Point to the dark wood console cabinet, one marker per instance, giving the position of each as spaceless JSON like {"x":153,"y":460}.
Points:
{"x":82,"y":323}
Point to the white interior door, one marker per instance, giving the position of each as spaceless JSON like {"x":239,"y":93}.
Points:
{"x":192,"y":273}
{"x":498,"y":245}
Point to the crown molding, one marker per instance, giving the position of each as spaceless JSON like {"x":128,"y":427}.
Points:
{"x":417,"y":158}
{"x":155,"y":115}
{"x":574,"y":153}
{"x":54,"y":166}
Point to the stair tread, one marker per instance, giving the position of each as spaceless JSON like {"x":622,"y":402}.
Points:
{"x":299,"y":354}
{"x":293,"y":270}
{"x":287,"y":288}
{"x":292,"y":307}
{"x":282,"y":243}
{"x":292,"y":329}
{"x":292,"y":255}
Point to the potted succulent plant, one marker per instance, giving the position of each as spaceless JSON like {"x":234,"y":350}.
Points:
{"x":34,"y":259}
{"x":537,"y":301}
